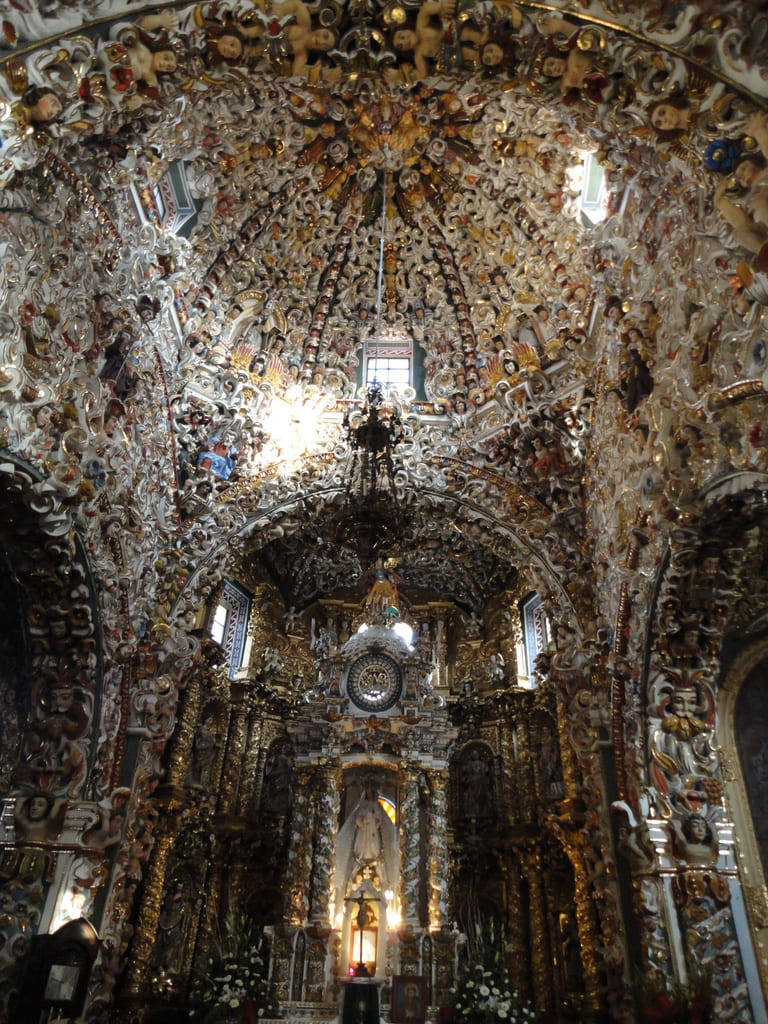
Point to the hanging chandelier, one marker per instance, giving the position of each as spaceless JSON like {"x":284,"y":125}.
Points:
{"x":371,"y":517}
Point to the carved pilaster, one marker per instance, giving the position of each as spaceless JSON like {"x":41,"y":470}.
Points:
{"x":409,"y":846}
{"x":184,"y":736}
{"x":254,"y":760}
{"x":218,"y":866}
{"x":586,"y":921}
{"x":525,"y":759}
{"x":257,"y":783}
{"x":233,"y":758}
{"x":445,"y":951}
{"x":568,"y":757}
{"x":137,"y":970}
{"x":541,"y":954}
{"x":328,"y":805}
{"x":509,"y":803}
{"x":517,"y":929}
{"x":439,"y":910}
{"x":299,"y":864}
{"x":710,"y":936}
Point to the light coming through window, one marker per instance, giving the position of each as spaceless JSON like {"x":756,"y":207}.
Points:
{"x":389,"y":371}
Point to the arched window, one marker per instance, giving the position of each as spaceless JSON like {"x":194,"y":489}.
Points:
{"x":229,"y":626}
{"x":536,"y":637}
{"x":389,"y":808}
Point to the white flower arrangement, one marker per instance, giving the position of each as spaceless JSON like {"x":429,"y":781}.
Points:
{"x":485,"y":994}
{"x":235,"y":973}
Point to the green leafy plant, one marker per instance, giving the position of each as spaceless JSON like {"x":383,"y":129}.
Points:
{"x":235,"y":974}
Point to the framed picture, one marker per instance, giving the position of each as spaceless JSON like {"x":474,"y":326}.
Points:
{"x":409,"y":999}
{"x":62,"y":983}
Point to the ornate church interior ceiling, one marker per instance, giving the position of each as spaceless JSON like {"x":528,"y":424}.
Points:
{"x":212,"y":218}
{"x":264,"y":305}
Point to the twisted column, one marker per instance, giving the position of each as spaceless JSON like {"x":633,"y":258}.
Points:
{"x":517,"y":928}
{"x":508,"y":804}
{"x":541,"y":954}
{"x":233,"y":757}
{"x":575,"y":843}
{"x":299,"y":864}
{"x":437,"y":847}
{"x":254,"y":759}
{"x":409,"y":846}
{"x":184,"y":735}
{"x":525,"y":758}
{"x":137,"y":972}
{"x":327,"y":807}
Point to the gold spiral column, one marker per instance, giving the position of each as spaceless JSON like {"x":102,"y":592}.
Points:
{"x":232,"y":769}
{"x":517,"y":926}
{"x":574,"y":843}
{"x":254,"y":760}
{"x":167,"y":799}
{"x":509,"y":802}
{"x":299,"y":865}
{"x":595,"y":911}
{"x":528,"y":801}
{"x":540,"y":948}
{"x":137,"y":968}
{"x":226,"y":876}
{"x":184,"y":736}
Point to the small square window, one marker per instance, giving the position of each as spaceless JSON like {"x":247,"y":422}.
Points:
{"x":389,"y":371}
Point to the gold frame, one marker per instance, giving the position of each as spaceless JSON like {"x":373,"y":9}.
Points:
{"x":409,"y":999}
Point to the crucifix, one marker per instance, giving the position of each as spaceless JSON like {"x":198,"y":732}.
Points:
{"x":361,"y":971}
